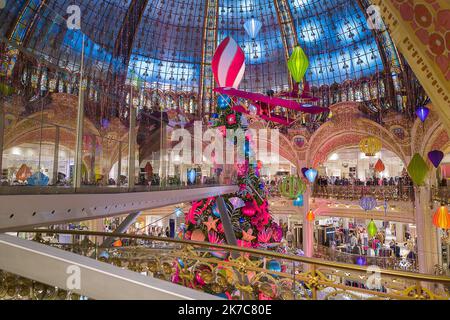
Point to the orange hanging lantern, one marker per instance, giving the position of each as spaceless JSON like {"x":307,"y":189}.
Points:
{"x":310,"y":216}
{"x":117,"y":243}
{"x":441,"y":218}
{"x":379,"y":166}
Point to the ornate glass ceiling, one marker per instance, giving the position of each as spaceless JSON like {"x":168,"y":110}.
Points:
{"x":167,"y":42}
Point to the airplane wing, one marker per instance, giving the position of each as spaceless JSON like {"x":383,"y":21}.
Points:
{"x":271,"y":101}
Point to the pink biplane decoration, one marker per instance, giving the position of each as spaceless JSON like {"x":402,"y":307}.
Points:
{"x":228,"y":66}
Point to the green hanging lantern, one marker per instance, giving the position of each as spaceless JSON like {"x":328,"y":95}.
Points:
{"x":298,"y":63}
{"x":372,"y":229}
{"x":291,"y":187}
{"x":417,"y":169}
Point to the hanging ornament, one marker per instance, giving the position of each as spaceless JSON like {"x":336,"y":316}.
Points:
{"x":215,"y":211}
{"x":417,"y":169}
{"x":291,"y":187}
{"x":223,"y":102}
{"x":274,"y":265}
{"x":310,"y":216}
{"x":228,"y":64}
{"x":361,"y":261}
{"x":422,"y":112}
{"x":249,"y":209}
{"x":298,"y":63}
{"x":441,"y":218}
{"x":372,"y":229}
{"x":379,"y":166}
{"x":370,"y":146}
{"x":198,"y":235}
{"x":299,"y":201}
{"x":237,"y":203}
{"x":311,"y":175}
{"x":436,"y":157}
{"x":253,"y":110}
{"x":368,"y":203}
{"x":252,"y":26}
{"x":231,"y":119}
{"x":211,"y":224}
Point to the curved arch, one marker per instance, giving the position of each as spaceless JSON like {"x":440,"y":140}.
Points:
{"x":347,"y":127}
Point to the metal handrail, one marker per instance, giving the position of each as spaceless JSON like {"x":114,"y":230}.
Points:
{"x":312,"y":261}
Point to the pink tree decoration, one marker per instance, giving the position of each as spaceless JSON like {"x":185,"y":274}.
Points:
{"x":228,"y":64}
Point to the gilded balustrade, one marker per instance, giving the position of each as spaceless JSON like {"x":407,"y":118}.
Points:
{"x":245,"y":273}
{"x":351,"y":192}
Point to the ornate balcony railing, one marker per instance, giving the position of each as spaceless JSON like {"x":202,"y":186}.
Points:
{"x":245,"y":273}
{"x":391,"y":263}
{"x":352,"y":192}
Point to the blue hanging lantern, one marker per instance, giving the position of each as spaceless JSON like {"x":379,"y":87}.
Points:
{"x":223,"y":102}
{"x":252,"y":26}
{"x":214,"y":116}
{"x":241,"y":220}
{"x":311,"y":175}
{"x":361,"y":261}
{"x":191,"y":176}
{"x":299,"y":201}
{"x":422,"y":112}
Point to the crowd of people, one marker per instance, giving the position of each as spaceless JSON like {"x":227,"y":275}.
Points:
{"x":372,"y":181}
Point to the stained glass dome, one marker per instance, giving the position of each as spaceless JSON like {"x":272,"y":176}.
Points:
{"x":165,"y":42}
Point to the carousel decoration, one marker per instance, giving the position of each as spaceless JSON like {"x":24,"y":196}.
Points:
{"x":370,"y":146}
{"x":441,"y":218}
{"x":417,"y":169}
{"x":299,"y":201}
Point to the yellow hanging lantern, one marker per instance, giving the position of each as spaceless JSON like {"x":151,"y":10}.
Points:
{"x":441,"y":218}
{"x":298,"y":63}
{"x":370,"y":146}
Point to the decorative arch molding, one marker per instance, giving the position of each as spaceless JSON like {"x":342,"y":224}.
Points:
{"x":346,"y":128}
{"x":429,"y":135}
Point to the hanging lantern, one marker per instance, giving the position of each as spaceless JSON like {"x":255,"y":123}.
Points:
{"x":310,"y":216}
{"x":291,"y":187}
{"x":178,"y":212}
{"x":441,"y":219}
{"x":304,"y":171}
{"x":361,"y":261}
{"x":379,"y":166}
{"x":370,"y":146}
{"x":436,"y":157}
{"x":215,"y":210}
{"x":299,"y":201}
{"x":228,"y":64}
{"x":191,"y":176}
{"x":298,"y":63}
{"x":368,"y":203}
{"x":372,"y":229}
{"x":422,"y":112}
{"x":417,"y":169}
{"x":311,"y":175}
{"x":252,"y":26}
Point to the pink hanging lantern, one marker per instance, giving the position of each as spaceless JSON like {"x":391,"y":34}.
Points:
{"x":228,"y":64}
{"x":249,"y":209}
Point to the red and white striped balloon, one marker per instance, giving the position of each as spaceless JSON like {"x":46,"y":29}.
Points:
{"x":228,"y":64}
